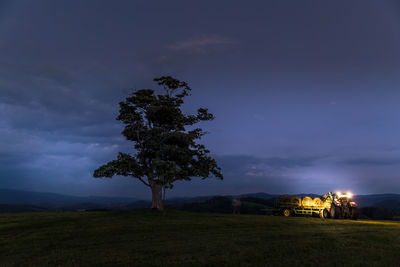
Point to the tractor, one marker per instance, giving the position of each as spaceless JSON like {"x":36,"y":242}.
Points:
{"x":331,"y":205}
{"x":342,"y":207}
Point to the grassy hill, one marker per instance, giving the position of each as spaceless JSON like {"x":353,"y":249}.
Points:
{"x":147,"y":238}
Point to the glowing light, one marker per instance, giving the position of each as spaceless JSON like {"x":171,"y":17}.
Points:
{"x":348,"y":195}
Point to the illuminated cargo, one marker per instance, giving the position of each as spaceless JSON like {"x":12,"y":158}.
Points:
{"x":331,"y":205}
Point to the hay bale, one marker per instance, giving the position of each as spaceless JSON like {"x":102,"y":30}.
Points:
{"x":296,"y":201}
{"x":307,"y":202}
{"x":318,"y":202}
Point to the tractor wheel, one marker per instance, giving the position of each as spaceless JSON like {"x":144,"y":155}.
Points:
{"x":338,"y":212}
{"x":335,"y":212}
{"x":286,"y":212}
{"x":354,"y":213}
{"x":332,"y":211}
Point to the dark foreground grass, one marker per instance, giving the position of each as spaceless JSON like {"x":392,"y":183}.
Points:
{"x":147,"y":238}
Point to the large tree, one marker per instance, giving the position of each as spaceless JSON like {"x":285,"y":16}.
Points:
{"x":165,"y":141}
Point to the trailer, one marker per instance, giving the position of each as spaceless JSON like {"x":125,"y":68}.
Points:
{"x":331,"y":205}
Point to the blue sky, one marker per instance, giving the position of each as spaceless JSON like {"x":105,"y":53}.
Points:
{"x":305,"y":93}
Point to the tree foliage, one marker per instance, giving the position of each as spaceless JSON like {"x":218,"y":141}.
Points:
{"x":165,"y":140}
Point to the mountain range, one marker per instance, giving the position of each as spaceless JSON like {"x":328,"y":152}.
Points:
{"x":18,"y":200}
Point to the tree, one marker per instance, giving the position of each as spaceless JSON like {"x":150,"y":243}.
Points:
{"x":165,"y":150}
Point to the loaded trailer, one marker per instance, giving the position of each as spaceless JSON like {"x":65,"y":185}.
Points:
{"x":331,"y":205}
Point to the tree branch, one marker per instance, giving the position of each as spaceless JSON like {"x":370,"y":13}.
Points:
{"x":143,"y":181}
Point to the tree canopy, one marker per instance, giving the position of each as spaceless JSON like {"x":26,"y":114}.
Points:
{"x":165,"y":140}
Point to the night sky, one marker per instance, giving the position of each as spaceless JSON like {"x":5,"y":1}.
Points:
{"x":306,"y":94}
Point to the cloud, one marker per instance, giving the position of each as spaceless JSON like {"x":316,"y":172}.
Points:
{"x":179,"y":57}
{"x":251,"y":163}
{"x":373,"y":161}
{"x":199,"y":45}
{"x":57,"y":124}
{"x":259,"y":170}
{"x":244,"y":174}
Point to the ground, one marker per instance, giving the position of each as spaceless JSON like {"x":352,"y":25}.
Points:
{"x":149,"y":238}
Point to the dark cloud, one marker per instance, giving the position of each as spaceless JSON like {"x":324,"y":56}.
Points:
{"x":308,"y":91}
{"x":199,"y":45}
{"x":250,"y":165}
{"x":249,"y":174}
{"x":371,"y":162}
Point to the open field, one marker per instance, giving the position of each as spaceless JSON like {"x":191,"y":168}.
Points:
{"x":147,"y":238}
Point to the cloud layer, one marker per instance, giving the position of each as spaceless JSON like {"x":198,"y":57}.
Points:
{"x":200,"y":45}
{"x":300,"y":106}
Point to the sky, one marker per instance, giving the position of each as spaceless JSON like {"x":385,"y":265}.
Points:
{"x":305,"y":93}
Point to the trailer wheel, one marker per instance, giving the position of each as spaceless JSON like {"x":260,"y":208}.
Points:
{"x":286,"y":212}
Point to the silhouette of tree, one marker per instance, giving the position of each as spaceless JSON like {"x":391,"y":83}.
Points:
{"x":165,"y":150}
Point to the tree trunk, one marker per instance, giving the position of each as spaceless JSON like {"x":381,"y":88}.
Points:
{"x":157,"y":201}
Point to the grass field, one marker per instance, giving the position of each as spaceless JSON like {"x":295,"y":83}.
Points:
{"x":147,"y":238}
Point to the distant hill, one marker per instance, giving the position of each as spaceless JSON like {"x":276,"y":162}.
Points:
{"x":376,"y":199}
{"x":22,"y":201}
{"x":389,"y":204}
{"x":4,"y":208}
{"x":258,"y":195}
{"x":51,"y":200}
